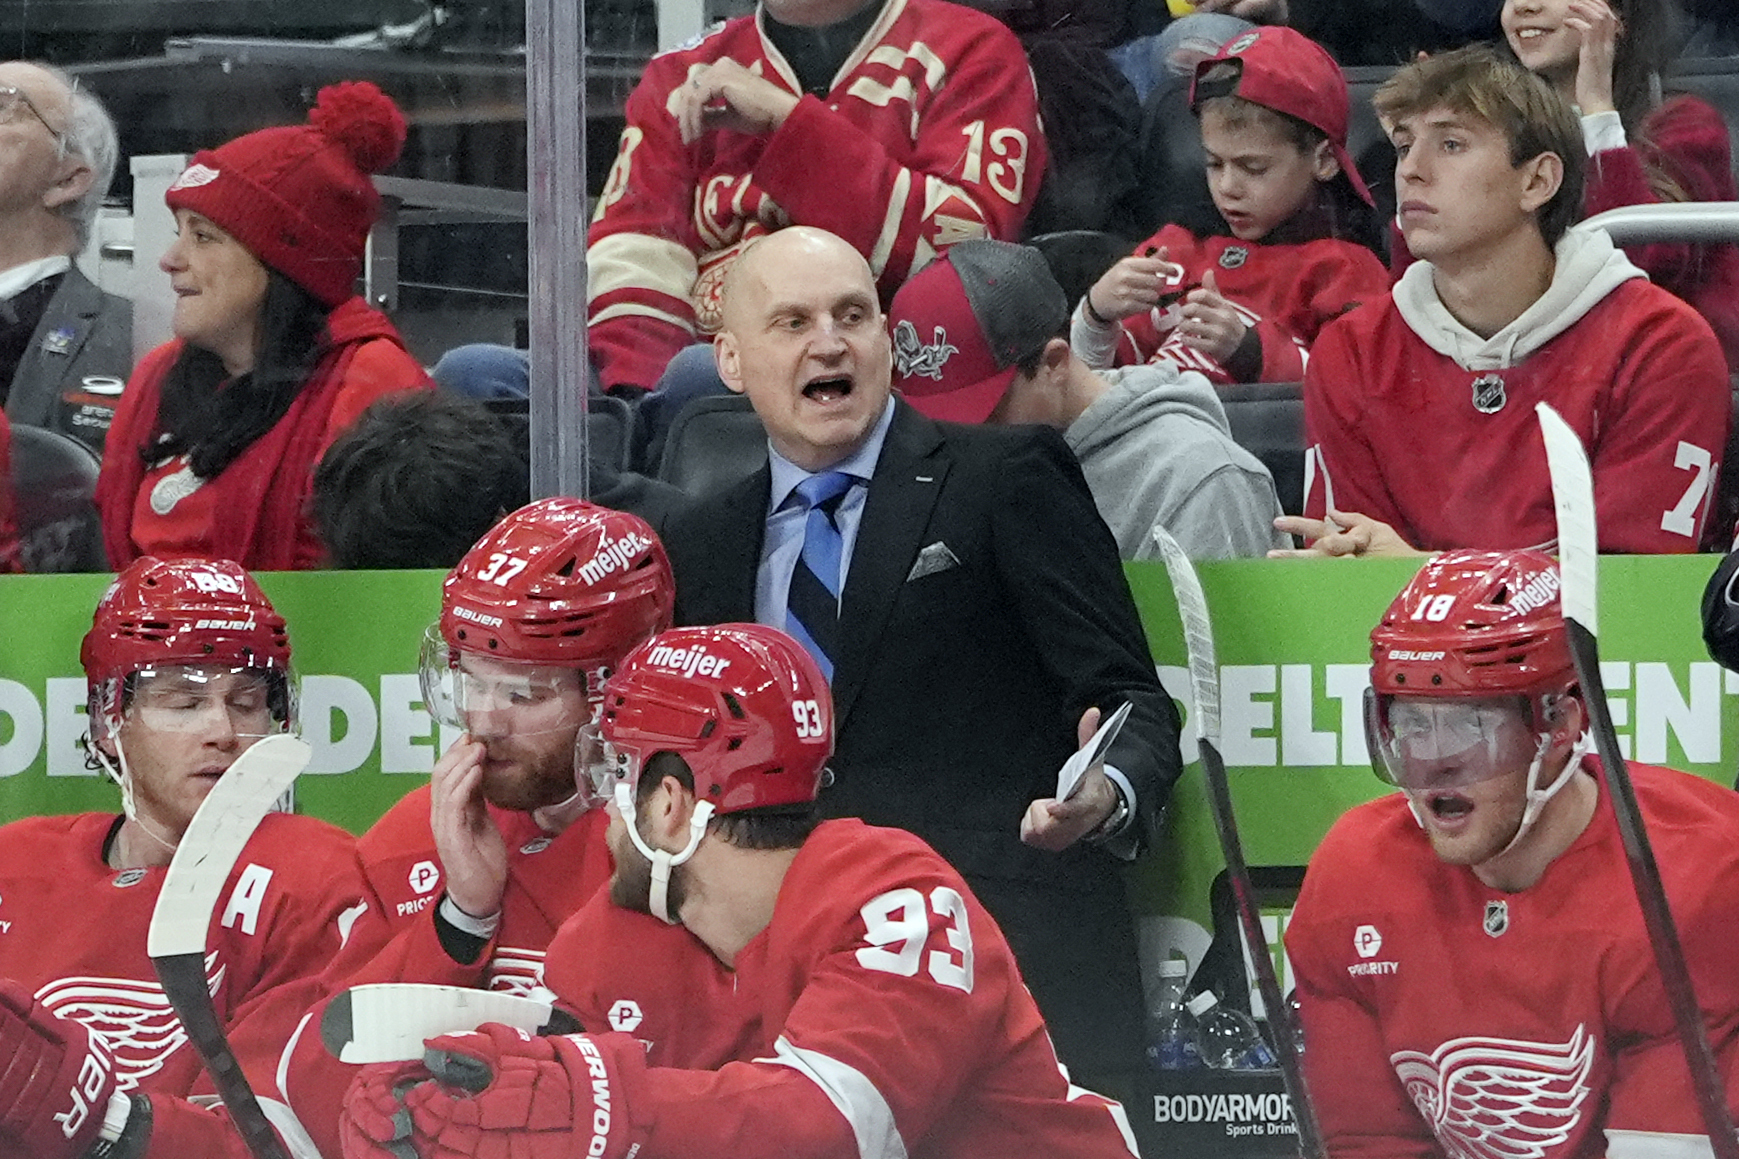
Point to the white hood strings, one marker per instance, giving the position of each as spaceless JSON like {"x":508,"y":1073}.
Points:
{"x":662,"y":860}
{"x":1537,"y":797}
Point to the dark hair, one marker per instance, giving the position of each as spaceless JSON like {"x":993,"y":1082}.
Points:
{"x":415,"y":481}
{"x":213,"y":419}
{"x":783,"y":827}
{"x":1336,"y":210}
{"x":1479,"y":82}
{"x":1647,"y":30}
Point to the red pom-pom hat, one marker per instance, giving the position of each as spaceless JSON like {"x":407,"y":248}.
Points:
{"x":299,"y":197}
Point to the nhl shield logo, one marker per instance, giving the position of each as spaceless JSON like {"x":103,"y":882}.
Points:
{"x":1497,"y":917}
{"x":1233,"y":256}
{"x":1488,"y":394}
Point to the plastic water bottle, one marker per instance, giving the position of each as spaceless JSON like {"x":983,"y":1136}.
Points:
{"x":1171,"y":1029}
{"x":1227,"y":1038}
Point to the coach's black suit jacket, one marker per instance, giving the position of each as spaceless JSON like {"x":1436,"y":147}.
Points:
{"x":957,"y":692}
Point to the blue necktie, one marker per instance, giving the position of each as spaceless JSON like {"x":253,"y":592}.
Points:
{"x":812,"y":605}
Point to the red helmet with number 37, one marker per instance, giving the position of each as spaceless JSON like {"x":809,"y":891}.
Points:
{"x":1472,"y":625}
{"x":559,"y":582}
{"x":171,"y":613}
{"x":743,"y":704}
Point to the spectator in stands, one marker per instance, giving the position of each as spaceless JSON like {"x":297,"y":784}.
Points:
{"x":1420,"y":408}
{"x":978,"y":337}
{"x":1244,"y":305}
{"x":970,"y":602}
{"x":415,"y":481}
{"x":214,"y":445}
{"x":1607,"y":60}
{"x":56,"y":328}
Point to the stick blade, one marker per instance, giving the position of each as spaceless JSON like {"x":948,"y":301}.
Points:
{"x":1192,"y":607}
{"x":1573,"y":499}
{"x":388,"y":1021}
{"x":208,"y":850}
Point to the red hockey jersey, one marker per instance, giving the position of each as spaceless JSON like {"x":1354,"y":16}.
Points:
{"x":889,"y":1009}
{"x":1452,"y":457}
{"x":1443,"y":1017}
{"x":548,"y":878}
{"x":73,"y":930}
{"x":929,"y":134}
{"x":1286,"y":293}
{"x":686,"y":1008}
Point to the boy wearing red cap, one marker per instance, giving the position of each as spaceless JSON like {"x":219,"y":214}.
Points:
{"x":215,"y":441}
{"x":1244,"y":305}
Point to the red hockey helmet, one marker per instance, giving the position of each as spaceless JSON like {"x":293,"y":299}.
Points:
{"x":1471,"y":625}
{"x":743,"y":704}
{"x":159,"y":614}
{"x":559,"y":582}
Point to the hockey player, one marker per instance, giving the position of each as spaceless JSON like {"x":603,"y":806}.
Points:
{"x":893,"y":1018}
{"x":1293,"y":250}
{"x":1419,"y":409}
{"x":932,"y":102}
{"x":1475,"y":976}
{"x":187,"y":664}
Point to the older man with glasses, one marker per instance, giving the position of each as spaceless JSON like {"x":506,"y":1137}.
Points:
{"x":64,"y":344}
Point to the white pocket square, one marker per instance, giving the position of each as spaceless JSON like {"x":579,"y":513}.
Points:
{"x":937,"y":557}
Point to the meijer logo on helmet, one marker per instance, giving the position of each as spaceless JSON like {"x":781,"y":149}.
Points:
{"x":614,"y":555}
{"x":1541,"y":590}
{"x":687,"y":661}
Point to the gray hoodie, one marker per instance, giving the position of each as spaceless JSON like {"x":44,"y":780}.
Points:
{"x":1588,"y":268}
{"x":1156,"y":449}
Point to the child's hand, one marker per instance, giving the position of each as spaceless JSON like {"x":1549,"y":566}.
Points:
{"x":1130,"y":287}
{"x":1210,"y":324}
{"x":1599,"y":28}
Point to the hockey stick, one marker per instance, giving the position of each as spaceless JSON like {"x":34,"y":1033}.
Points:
{"x":388,"y":1021}
{"x":1573,"y":497}
{"x":1198,"y":634}
{"x":203,"y":859}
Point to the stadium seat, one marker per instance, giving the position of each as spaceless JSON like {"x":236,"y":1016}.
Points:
{"x":54,"y":482}
{"x":1080,"y":257}
{"x":609,"y":419}
{"x":715,"y":441}
{"x":1267,"y":419}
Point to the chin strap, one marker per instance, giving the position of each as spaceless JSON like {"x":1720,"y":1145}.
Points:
{"x":123,"y":776}
{"x":663,"y":861}
{"x":1537,"y":797}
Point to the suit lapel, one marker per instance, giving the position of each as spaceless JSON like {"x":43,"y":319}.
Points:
{"x":902,"y":494}
{"x":732,"y":553}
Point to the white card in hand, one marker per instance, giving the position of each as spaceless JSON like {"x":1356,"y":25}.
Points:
{"x":1090,"y":754}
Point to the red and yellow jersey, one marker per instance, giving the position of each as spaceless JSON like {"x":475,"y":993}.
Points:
{"x":1443,"y":1016}
{"x":928,"y":135}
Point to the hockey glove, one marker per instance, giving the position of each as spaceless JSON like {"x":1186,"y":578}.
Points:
{"x":497,"y":1092}
{"x":55,"y":1079}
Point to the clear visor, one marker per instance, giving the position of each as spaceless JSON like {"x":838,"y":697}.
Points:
{"x":247,"y":702}
{"x":494,"y":698}
{"x":1424,"y":744}
{"x":601,"y":766}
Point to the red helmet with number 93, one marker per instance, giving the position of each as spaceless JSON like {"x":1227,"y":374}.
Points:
{"x":559,"y":582}
{"x":743,"y":704}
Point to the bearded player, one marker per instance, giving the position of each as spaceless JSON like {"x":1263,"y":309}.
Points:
{"x":1474,"y":972}
{"x":893,"y":1019}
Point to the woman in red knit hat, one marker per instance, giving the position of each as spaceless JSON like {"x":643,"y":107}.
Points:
{"x":215,"y":441}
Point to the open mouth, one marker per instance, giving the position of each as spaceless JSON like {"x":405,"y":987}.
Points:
{"x":1449,"y":806}
{"x":826,"y":390}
